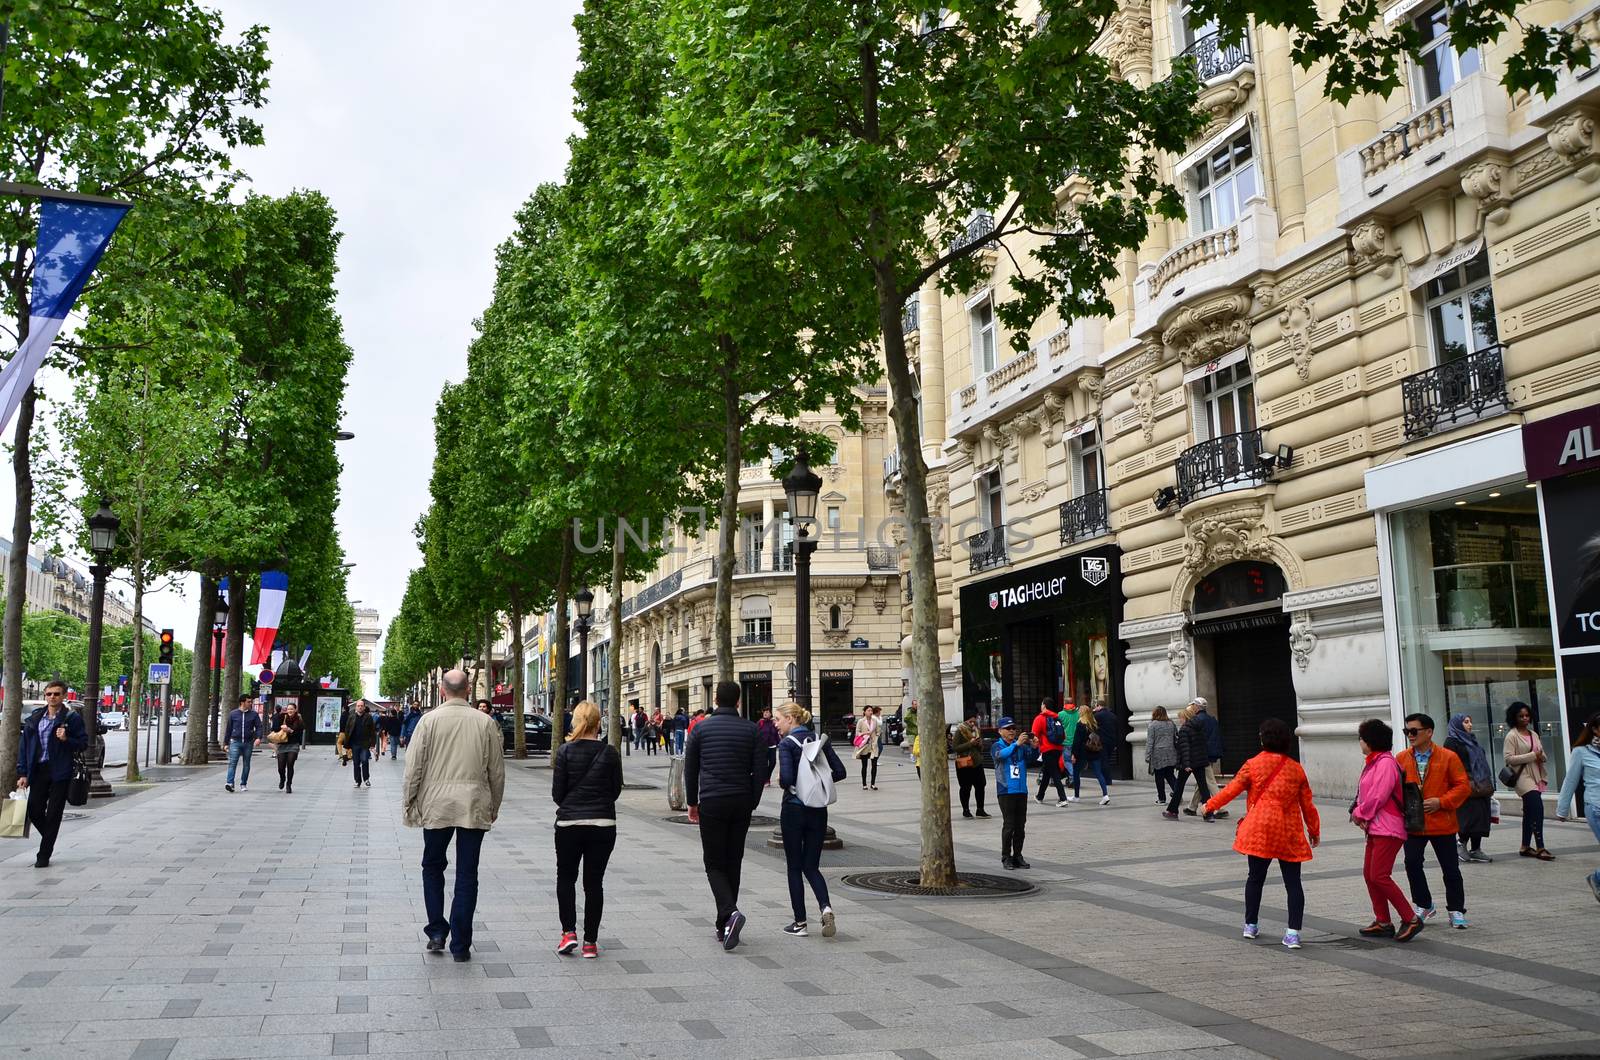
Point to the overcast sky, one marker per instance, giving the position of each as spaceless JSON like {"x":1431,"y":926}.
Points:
{"x":426,"y":125}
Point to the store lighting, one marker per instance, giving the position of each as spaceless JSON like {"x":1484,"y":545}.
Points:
{"x":1494,"y":493}
{"x":1531,"y":486}
{"x":1460,"y":504}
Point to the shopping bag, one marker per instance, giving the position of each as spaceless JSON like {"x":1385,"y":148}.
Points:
{"x":14,"y":817}
{"x":1494,"y":811}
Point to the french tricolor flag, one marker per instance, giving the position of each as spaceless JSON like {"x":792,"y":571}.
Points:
{"x":269,"y":614}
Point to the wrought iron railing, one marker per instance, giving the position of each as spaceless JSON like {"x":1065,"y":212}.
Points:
{"x":891,"y":465}
{"x":978,"y":230}
{"x":1221,"y":462}
{"x":988,"y":548}
{"x":911,"y":315}
{"x":1457,"y":391}
{"x":881,"y":557}
{"x":653,"y":594}
{"x":783,"y":558}
{"x":1213,"y":59}
{"x":1085,"y":517}
{"x":745,"y":639}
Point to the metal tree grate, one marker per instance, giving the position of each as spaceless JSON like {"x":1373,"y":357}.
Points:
{"x":968,"y":884}
{"x":756,"y":821}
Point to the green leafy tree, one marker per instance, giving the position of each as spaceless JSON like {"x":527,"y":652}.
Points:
{"x":87,"y":111}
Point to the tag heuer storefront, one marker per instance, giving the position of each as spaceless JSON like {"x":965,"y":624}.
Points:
{"x":1047,"y":630}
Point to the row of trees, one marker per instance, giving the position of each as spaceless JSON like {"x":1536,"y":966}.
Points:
{"x":55,"y":644}
{"x":209,"y":367}
{"x":758,"y":190}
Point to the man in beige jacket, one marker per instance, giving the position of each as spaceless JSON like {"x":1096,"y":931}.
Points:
{"x":455,"y":779}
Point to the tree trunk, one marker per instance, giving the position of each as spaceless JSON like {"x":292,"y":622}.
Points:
{"x":194,"y":729}
{"x":488,"y":658}
{"x":136,"y":682}
{"x":17,"y":585}
{"x":563,"y":645}
{"x":614,"y":654}
{"x":938,"y":863}
{"x":728,"y":510}
{"x":233,"y":647}
{"x":519,"y":747}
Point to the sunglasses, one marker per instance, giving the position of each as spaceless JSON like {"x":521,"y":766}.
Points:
{"x":54,"y":695}
{"x":1414,"y":732}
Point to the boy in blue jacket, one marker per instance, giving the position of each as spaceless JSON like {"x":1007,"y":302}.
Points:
{"x":1012,"y":754}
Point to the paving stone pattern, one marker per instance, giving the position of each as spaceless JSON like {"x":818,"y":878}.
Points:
{"x":178,"y":922}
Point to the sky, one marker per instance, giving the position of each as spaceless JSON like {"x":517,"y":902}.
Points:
{"x":425,"y":125}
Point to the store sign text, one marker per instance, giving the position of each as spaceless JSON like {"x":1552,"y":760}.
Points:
{"x":1026,"y":593}
{"x":1580,"y":446}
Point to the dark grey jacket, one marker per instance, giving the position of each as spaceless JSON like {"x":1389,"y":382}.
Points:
{"x":724,"y":759}
{"x":1161,"y":745}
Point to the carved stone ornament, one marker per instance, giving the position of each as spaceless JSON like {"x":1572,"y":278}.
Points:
{"x":1221,"y":100}
{"x":833,"y":472}
{"x":875,"y":429}
{"x":1227,"y":535}
{"x":1034,"y":491}
{"x":1370,"y":241}
{"x":991,"y":434}
{"x":1092,"y":386}
{"x":1302,"y":640}
{"x":1486,"y":181}
{"x":1266,"y":295}
{"x":968,"y":447}
{"x":1296,"y":321}
{"x":826,"y":602}
{"x":880,"y":597}
{"x":1178,"y":656}
{"x":1131,"y":39}
{"x":1573,"y":139}
{"x":1143,"y":393}
{"x":1206,"y":331}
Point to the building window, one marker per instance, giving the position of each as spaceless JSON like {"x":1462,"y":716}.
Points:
{"x":1461,"y":311}
{"x":833,"y":517}
{"x":991,"y":500}
{"x":984,"y":349}
{"x":1440,"y":65}
{"x":1191,"y":27}
{"x":1088,"y":468}
{"x":1223,"y":182}
{"x":1228,"y":402}
{"x":758,"y":630}
{"x":833,"y":617}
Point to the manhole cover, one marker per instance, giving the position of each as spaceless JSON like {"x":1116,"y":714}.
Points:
{"x":640,"y":787}
{"x":968,"y":884}
{"x":757,"y":821}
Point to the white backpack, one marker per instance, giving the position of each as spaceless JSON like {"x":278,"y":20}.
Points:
{"x":813,"y":776}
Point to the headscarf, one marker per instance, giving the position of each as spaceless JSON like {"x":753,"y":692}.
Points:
{"x":1477,"y":762}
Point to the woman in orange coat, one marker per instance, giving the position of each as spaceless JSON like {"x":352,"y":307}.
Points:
{"x":1279,"y":817}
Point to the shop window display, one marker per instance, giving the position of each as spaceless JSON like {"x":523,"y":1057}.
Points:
{"x":1473,"y":614}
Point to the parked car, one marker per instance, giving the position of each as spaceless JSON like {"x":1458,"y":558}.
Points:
{"x":114,"y":719}
{"x":536,"y":730}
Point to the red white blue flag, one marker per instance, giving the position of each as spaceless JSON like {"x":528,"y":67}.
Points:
{"x":269,"y":613}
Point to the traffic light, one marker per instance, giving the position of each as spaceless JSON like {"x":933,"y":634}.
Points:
{"x":166,"y":645}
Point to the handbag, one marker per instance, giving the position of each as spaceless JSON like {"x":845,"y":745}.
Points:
{"x":14,"y":817}
{"x":278,"y":736}
{"x":78,"y":786}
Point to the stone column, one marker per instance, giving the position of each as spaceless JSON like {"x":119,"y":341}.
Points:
{"x":930,"y":339}
{"x":1341,"y":677}
{"x":1283,"y":132}
{"x":1159,"y":670}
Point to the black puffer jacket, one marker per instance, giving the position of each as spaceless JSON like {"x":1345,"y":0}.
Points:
{"x":724,"y":759}
{"x":1193,"y":752}
{"x":588,"y":779}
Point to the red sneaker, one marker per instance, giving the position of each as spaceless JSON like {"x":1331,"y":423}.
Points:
{"x":568,"y":943}
{"x":590,"y":950}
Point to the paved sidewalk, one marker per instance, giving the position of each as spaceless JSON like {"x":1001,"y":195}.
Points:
{"x":181,"y":923}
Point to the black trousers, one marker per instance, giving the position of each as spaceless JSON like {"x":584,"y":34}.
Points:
{"x":1257,"y":880}
{"x":971,"y":778}
{"x":1050,"y":771}
{"x":1532,"y":820}
{"x":47,"y":801}
{"x":1178,"y":786}
{"x":286,"y":768}
{"x":1166,"y":777}
{"x":588,"y":846}
{"x":723,"y":826}
{"x":1013,"y":823}
{"x":1444,"y":849}
{"x":874,"y":760}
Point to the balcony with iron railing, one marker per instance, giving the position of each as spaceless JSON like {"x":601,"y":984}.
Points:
{"x":1455,"y":393}
{"x":1219,"y":464}
{"x":745,"y":640}
{"x":653,"y":594}
{"x":882,"y":557}
{"x":987,"y":549}
{"x":1213,"y":59}
{"x":911,"y":315}
{"x":1085,"y":517}
{"x":978,"y":230}
{"x":891,"y":465}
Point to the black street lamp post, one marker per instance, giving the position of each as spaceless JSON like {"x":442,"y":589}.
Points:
{"x":219,"y":631}
{"x":583,"y":604}
{"x":803,"y":487}
{"x":103,"y":526}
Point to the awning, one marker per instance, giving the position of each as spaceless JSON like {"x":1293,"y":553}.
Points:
{"x":755,"y":607}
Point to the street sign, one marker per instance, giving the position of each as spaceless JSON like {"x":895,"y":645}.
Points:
{"x":266,"y":677}
{"x":161,"y":673}
{"x":859,"y":642}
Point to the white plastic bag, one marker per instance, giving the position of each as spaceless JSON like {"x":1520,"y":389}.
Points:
{"x":1494,"y":811}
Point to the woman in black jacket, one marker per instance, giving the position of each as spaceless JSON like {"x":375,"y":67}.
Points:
{"x":588,"y":779}
{"x":1193,"y":754}
{"x":289,"y":722}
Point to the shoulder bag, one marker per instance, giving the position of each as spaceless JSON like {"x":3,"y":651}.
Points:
{"x":1509,"y":774}
{"x":78,"y":786}
{"x":1410,"y":799}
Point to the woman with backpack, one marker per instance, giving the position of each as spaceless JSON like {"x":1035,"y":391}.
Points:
{"x":587,"y":781}
{"x":1088,"y":750}
{"x":1525,"y":758}
{"x":804,"y":760}
{"x":1278,"y":818}
{"x":1379,"y":812}
{"x":1472,"y":817}
{"x":1194,"y":753}
{"x":1584,"y":771}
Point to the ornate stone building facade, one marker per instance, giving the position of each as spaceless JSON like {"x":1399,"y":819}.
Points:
{"x":1288,"y":473}
{"x":667,"y":654}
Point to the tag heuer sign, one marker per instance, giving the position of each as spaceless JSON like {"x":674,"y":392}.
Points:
{"x":994,"y":601}
{"x":1096,"y":569}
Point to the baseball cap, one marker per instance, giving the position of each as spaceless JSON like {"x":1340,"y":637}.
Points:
{"x":1199,"y":701}
{"x":1005,"y":723}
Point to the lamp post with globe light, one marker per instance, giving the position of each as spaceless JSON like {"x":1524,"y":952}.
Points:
{"x":103,"y":527}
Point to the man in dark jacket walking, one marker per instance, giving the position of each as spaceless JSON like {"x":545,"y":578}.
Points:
{"x":51,"y":735}
{"x":1213,"y":732}
{"x":724,"y":770}
{"x":360,"y":733}
{"x":244,"y":730}
{"x":408,"y":725}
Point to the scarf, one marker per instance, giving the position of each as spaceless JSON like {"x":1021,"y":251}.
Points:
{"x":1477,"y":762}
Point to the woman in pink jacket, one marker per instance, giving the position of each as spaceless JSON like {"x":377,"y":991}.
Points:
{"x":1378,"y":811}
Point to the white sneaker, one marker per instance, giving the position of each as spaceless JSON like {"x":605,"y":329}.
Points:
{"x":244,"y":787}
{"x":1105,"y":800}
{"x":828,"y":926}
{"x":1072,"y":798}
{"x":369,"y":783}
{"x":1060,"y":803}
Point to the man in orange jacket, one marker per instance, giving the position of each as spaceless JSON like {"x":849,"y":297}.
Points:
{"x":1445,"y":786}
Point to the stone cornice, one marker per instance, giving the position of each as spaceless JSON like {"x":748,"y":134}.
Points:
{"x":1160,"y":626}
{"x":1348,"y":592}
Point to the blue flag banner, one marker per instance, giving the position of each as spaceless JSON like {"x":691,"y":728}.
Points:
{"x":72,"y":236}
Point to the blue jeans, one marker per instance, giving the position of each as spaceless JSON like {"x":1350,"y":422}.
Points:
{"x":677,"y":740}
{"x":394,"y":748}
{"x":804,"y":828}
{"x":362,"y":759}
{"x":238,"y":749}
{"x":1594,"y":826}
{"x":1092,"y":765}
{"x":435,"y":844}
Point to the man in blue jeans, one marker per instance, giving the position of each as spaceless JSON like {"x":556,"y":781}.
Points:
{"x":244,"y":729}
{"x":455,"y":778}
